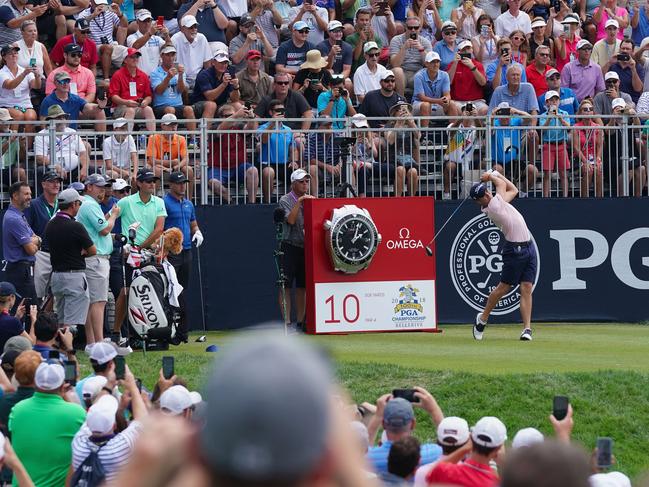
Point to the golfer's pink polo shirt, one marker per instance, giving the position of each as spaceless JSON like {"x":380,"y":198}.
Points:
{"x":508,"y":219}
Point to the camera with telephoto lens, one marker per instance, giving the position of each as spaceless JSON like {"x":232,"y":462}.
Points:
{"x":343,"y":92}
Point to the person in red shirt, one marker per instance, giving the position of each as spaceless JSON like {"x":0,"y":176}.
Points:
{"x":536,"y":71}
{"x":130,"y":89}
{"x":89,"y":56}
{"x":467,"y":79}
{"x":487,"y":438}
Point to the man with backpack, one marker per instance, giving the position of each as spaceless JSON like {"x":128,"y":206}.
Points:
{"x":98,"y":452}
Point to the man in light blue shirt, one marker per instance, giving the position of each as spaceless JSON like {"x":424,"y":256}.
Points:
{"x":497,"y":71}
{"x":447,"y":48}
{"x":432,"y":90}
{"x":97,"y":270}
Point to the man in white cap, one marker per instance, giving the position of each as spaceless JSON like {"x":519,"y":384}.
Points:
{"x":339,"y":53}
{"x":452,"y":434}
{"x":70,"y":244}
{"x":46,"y":416}
{"x":468,"y":79}
{"x":554,"y":144}
{"x":488,"y":437}
{"x":605,"y":50}
{"x":212,"y":17}
{"x":367,"y":76}
{"x":407,"y":53}
{"x":99,"y":227}
{"x":432,"y":91}
{"x":293,"y":245}
{"x":568,"y":100}
{"x":513,"y":19}
{"x":104,"y":19}
{"x":148,"y":39}
{"x":378,"y":103}
{"x":98,"y":432}
{"x":603,"y":101}
{"x":192,"y":49}
{"x":448,"y":47}
{"x":527,"y":437}
{"x":119,"y":152}
{"x":178,"y":401}
{"x":217,"y":83}
{"x":582,"y":74}
{"x":315,"y":16}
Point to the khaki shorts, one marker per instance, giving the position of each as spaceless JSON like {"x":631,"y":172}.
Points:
{"x":42,"y":273}
{"x":70,"y":290}
{"x":97,"y":272}
{"x":117,"y":56}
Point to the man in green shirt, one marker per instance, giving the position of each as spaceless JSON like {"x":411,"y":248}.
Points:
{"x":43,"y":426}
{"x":148,"y":212}
{"x":363,"y":33}
{"x":98,"y":226}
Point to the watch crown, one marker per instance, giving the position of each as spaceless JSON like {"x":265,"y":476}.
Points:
{"x":378,"y":238}
{"x":327,"y":225}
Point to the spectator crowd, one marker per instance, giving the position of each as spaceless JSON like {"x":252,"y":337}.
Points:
{"x":316,"y":68}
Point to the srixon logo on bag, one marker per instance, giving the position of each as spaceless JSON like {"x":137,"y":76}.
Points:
{"x":143,"y":292}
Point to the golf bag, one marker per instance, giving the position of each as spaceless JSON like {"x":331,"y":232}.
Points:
{"x":152,"y":318}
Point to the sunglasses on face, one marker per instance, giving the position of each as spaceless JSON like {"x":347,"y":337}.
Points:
{"x":388,"y":80}
{"x":413,"y":27}
{"x":74,"y":54}
{"x":281,"y":83}
{"x":554,"y":77}
{"x":303,"y":31}
{"x":587,"y":109}
{"x":195,"y":26}
{"x":517,"y":38}
{"x":63,"y":81}
{"x":586,"y":49}
{"x":449,"y":32}
{"x":374,"y":54}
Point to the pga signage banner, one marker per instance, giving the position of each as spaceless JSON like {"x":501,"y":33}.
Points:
{"x":593,"y":261}
{"x":366,"y":265}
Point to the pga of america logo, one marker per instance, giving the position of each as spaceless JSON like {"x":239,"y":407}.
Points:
{"x":476,"y":263}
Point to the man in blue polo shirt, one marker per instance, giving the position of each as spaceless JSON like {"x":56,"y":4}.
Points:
{"x":19,"y":242}
{"x":432,"y":92}
{"x":399,"y":422}
{"x":216,"y":83}
{"x":40,"y":211}
{"x":182,"y":215}
{"x":567,"y":98}
{"x":71,"y":104}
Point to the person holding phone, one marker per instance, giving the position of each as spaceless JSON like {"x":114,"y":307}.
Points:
{"x":631,"y":74}
{"x":148,"y":39}
{"x":315,"y":16}
{"x":13,"y":325}
{"x":468,"y":79}
{"x":397,"y":418}
{"x":466,"y":17}
{"x":313,"y":79}
{"x":484,"y":44}
{"x":497,"y":71}
{"x":565,"y":42}
{"x":408,"y":51}
{"x":519,"y":253}
{"x":339,"y":54}
{"x":250,"y":37}
{"x":214,"y":22}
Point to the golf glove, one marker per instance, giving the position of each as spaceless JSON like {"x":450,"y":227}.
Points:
{"x":197,"y":238}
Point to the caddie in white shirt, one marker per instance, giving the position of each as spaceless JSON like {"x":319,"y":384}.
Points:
{"x":192,"y":49}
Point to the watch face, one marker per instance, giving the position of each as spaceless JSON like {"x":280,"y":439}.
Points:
{"x":354,"y":239}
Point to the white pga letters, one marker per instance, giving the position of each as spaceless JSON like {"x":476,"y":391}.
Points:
{"x":620,"y":257}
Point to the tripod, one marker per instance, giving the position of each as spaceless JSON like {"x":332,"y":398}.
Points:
{"x":345,"y":187}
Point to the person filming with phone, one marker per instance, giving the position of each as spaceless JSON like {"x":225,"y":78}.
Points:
{"x":395,"y":414}
{"x":250,"y":38}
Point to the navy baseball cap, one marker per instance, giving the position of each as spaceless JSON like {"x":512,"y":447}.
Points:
{"x":145,"y":174}
{"x":70,"y":48}
{"x":178,"y":177}
{"x":478,"y":190}
{"x":51,"y":176}
{"x":7,"y":289}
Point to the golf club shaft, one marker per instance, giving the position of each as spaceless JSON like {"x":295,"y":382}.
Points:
{"x":200,"y":282}
{"x":448,"y":220}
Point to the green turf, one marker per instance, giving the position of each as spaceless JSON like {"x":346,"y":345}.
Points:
{"x":604,"y":369}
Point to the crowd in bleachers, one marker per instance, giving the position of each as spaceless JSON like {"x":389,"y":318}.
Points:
{"x":148,"y":64}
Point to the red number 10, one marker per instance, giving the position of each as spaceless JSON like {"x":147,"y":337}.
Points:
{"x":348,"y":319}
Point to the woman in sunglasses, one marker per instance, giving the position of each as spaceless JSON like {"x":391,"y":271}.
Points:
{"x":520,"y":47}
{"x":587,"y":145}
{"x":32,"y":51}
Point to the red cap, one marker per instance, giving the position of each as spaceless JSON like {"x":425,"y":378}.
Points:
{"x":131,"y":51}
{"x":253,"y":53}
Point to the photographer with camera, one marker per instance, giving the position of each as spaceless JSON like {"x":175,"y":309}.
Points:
{"x":336,"y":103}
{"x":408,"y":51}
{"x":603,"y":101}
{"x":496,"y":71}
{"x":251,"y":38}
{"x":630,"y":73}
{"x":104,"y":19}
{"x":468,"y":79}
{"x":397,"y":418}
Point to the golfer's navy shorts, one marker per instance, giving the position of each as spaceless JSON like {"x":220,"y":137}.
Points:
{"x":519,"y":263}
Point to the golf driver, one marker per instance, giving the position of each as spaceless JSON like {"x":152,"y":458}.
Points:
{"x":428,"y":249}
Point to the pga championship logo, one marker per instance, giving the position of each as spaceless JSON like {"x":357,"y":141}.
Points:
{"x":476,"y":263}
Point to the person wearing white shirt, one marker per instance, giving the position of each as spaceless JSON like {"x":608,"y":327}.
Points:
{"x":119,"y":152}
{"x":192,"y":49}
{"x":70,"y":160}
{"x":368,"y":75}
{"x":317,"y":18}
{"x":513,"y":19}
{"x":148,"y":39}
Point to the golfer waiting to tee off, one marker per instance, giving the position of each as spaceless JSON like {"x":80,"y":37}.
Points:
{"x":519,"y":256}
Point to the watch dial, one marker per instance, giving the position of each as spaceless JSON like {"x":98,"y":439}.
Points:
{"x":354,"y":239}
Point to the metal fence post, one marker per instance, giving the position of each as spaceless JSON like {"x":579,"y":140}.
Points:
{"x":488,"y":144}
{"x":203,"y":159}
{"x":51,"y":127}
{"x":625,"y":155}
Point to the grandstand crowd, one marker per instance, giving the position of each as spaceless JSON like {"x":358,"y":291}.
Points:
{"x":549,"y":74}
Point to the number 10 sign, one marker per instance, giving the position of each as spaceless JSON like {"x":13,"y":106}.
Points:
{"x":396,"y":292}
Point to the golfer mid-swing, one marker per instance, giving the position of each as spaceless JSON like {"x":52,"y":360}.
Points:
{"x":519,"y":255}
